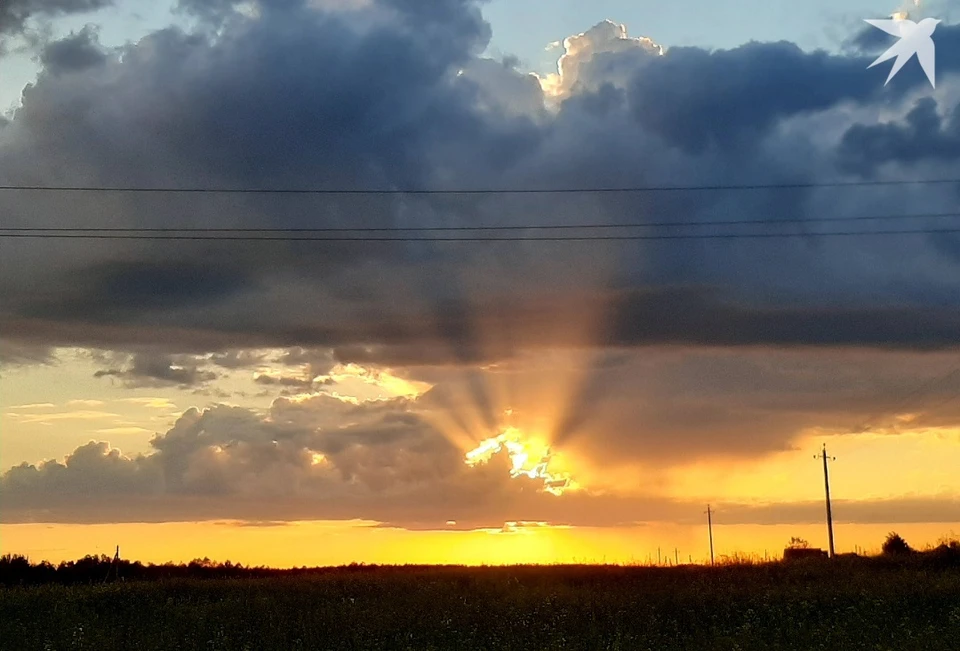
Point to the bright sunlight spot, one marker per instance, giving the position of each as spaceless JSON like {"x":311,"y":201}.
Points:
{"x":527,"y":457}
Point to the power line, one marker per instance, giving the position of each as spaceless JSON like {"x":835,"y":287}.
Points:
{"x":525,"y":227}
{"x":468,"y":191}
{"x":556,"y":238}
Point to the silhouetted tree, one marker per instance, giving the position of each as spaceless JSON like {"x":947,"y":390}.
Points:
{"x":797,"y":543}
{"x":895,"y":544}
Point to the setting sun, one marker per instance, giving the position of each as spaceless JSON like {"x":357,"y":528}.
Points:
{"x":528,"y":459}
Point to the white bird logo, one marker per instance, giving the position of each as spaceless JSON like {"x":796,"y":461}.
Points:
{"x":915,"y":38}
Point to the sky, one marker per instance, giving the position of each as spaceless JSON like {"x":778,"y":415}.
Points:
{"x":308,"y":403}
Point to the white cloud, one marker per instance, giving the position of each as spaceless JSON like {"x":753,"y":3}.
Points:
{"x":582,"y":50}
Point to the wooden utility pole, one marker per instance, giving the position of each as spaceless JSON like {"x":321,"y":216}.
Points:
{"x":710,"y":531}
{"x":826,"y":488}
{"x":114,"y":566}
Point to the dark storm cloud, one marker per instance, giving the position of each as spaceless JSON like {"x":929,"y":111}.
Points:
{"x":697,"y":99}
{"x":113,"y":290}
{"x":923,"y":135}
{"x":156,"y":370}
{"x":700,"y":316}
{"x":75,"y":52}
{"x":372,"y":99}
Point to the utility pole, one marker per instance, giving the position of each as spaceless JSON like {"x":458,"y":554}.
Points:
{"x":826,"y":488}
{"x":710,"y":530}
{"x":114,"y":566}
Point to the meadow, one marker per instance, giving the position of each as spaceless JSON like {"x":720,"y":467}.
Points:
{"x":836,"y":605}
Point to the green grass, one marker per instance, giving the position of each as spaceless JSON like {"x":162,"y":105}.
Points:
{"x":818,"y":606}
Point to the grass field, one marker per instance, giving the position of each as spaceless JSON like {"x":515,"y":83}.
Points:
{"x":834,"y":606}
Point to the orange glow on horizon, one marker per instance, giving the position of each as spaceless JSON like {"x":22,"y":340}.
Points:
{"x":312,"y":544}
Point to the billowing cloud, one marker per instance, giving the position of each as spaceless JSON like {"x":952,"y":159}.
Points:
{"x":322,"y":449}
{"x":924,"y":134}
{"x":600,"y":54}
{"x":79,"y":50}
{"x":386,"y":465}
{"x":384,"y":105}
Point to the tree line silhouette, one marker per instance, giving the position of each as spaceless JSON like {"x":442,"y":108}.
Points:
{"x":16,"y":569}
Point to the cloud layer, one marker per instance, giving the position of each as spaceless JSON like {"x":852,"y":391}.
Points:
{"x":301,"y":461}
{"x":374,"y":99}
{"x":401,"y":461}
{"x":389,"y":95}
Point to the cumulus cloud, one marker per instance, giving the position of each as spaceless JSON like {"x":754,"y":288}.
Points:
{"x":78,"y":51}
{"x":602,"y":54}
{"x":323,"y":458}
{"x":92,"y":469}
{"x":372,"y":451}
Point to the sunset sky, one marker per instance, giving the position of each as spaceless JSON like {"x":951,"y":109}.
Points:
{"x":310,"y":403}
